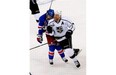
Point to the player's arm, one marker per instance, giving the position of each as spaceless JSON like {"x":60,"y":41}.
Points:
{"x":50,"y":30}
{"x":70,"y":27}
{"x":40,"y":31}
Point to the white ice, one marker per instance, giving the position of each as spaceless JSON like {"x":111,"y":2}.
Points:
{"x":39,"y":64}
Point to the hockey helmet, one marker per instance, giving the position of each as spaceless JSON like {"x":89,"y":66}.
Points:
{"x":50,"y":13}
{"x":58,"y":13}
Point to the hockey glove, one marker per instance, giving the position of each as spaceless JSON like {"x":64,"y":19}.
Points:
{"x":69,"y":33}
{"x":49,"y":29}
{"x":39,"y":39}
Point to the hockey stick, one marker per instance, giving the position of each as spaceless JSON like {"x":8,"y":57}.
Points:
{"x":51,"y":4}
{"x":38,"y":46}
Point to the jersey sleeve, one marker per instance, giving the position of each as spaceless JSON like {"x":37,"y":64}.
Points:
{"x":40,"y":26}
{"x":70,"y":24}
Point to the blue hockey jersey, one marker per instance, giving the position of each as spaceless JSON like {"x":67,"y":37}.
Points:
{"x":42,"y":24}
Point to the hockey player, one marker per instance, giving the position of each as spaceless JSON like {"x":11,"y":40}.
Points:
{"x":62,"y":29}
{"x":43,"y":22}
{"x":34,"y":9}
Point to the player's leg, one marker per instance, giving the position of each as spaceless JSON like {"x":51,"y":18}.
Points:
{"x":76,"y":50}
{"x":51,"y":53}
{"x":37,"y":15}
{"x":50,"y":41}
{"x":61,"y":53}
{"x":71,"y":54}
{"x":67,"y":46}
{"x":34,"y":9}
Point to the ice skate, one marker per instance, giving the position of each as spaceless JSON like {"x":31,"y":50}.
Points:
{"x":65,"y":60}
{"x":77,"y":63}
{"x":51,"y":62}
{"x":77,"y":51}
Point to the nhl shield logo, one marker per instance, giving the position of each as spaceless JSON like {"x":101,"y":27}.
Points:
{"x":59,"y":29}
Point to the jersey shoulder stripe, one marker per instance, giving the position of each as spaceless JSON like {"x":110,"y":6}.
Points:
{"x":52,"y":20}
{"x":66,"y":21}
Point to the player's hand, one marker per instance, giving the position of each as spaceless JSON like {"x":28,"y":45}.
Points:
{"x":69,"y":33}
{"x":49,"y":29}
{"x":39,"y":39}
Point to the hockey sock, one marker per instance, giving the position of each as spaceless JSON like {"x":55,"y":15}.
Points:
{"x":51,"y":55}
{"x":74,"y":59}
{"x":71,"y":54}
{"x":51,"y":51}
{"x":61,"y":53}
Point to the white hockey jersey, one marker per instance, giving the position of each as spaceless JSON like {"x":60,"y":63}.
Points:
{"x":60,"y":29}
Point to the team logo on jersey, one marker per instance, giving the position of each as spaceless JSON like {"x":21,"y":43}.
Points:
{"x":59,"y":29}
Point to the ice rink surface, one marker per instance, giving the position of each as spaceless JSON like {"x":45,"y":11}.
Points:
{"x":39,"y":64}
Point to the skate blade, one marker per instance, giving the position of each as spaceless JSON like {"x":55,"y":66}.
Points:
{"x":79,"y":51}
